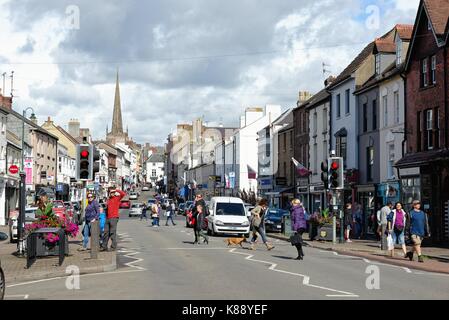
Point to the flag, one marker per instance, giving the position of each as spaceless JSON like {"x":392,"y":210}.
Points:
{"x":252,"y":174}
{"x":302,"y":171}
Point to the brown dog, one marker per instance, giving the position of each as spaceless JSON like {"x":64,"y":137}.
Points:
{"x":235,"y":241}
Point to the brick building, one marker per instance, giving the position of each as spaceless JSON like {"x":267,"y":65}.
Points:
{"x":424,"y":170}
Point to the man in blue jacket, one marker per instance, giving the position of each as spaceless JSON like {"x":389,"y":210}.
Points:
{"x":419,"y":228}
{"x":92,"y":213}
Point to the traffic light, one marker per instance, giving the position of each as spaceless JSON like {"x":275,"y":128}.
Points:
{"x":325,"y":174}
{"x":336,"y":180}
{"x":84,"y":162}
{"x":96,"y":161}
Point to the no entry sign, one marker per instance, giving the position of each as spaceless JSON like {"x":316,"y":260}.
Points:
{"x":14,"y":169}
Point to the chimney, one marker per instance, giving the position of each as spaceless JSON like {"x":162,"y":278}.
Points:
{"x":329,"y":81}
{"x":74,"y":128}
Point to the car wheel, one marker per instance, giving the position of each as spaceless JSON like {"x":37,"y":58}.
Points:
{"x":2,"y":284}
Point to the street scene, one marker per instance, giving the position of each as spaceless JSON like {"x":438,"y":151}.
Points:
{"x":190,"y":151}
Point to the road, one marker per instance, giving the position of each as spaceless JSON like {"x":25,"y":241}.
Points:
{"x":162,"y":263}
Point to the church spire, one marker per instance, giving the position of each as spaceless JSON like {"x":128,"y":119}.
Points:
{"x":117,"y":125}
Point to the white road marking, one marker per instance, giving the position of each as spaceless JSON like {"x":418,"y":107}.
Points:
{"x":341,"y":296}
{"x":306,"y":279}
{"x":407,"y":270}
{"x":131,"y":254}
{"x":210,"y":248}
{"x":366,"y":260}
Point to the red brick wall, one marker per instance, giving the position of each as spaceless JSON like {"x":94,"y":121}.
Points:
{"x":420,"y":99}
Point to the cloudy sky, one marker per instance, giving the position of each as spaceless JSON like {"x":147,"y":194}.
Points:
{"x":179,"y":59}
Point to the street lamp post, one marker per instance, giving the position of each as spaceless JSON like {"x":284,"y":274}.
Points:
{"x":22,"y":190}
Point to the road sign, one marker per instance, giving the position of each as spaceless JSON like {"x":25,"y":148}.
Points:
{"x":14,"y":169}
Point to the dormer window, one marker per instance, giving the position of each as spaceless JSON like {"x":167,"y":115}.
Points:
{"x":398,"y":51}
{"x":377,"y":64}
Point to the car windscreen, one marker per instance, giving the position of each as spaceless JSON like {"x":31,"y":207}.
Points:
{"x":58,"y":205}
{"x":136,"y":206}
{"x":230,"y":209}
{"x":277,"y":213}
{"x":30,"y":213}
{"x":151,"y":201}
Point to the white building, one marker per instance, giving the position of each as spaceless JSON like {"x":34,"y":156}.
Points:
{"x":155,"y":167}
{"x":66,"y":165}
{"x":241,"y":152}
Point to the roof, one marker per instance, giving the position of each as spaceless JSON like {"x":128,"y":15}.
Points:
{"x":156,"y":158}
{"x":405,"y":31}
{"x":352,"y":67}
{"x":29,"y":122}
{"x":317,"y":98}
{"x":422,"y":158}
{"x":67,"y":135}
{"x":438,"y":11}
{"x":385,"y":46}
{"x":389,"y":72}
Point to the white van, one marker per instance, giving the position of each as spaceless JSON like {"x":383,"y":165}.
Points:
{"x":227,"y":216}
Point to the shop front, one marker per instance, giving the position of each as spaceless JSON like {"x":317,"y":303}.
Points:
{"x":388,"y":192}
{"x":317,"y":198}
{"x":303,"y":192}
{"x":424,"y":176}
{"x":366,"y":197}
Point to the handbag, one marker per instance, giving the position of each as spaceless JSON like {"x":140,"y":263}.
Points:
{"x":296,"y":239}
{"x":390,"y":242}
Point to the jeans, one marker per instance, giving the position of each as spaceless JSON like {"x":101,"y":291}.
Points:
{"x":260,"y":230}
{"x":155,"y":221}
{"x":203,"y":234}
{"x":299,"y":246}
{"x":110,"y":232}
{"x":170,"y":217}
{"x":86,"y":234}
{"x":143,"y":215}
{"x":398,"y":238}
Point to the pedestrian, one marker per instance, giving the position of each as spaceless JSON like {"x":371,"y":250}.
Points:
{"x":382,"y":215}
{"x":103,"y":214}
{"x":155,"y":211}
{"x":44,"y":206}
{"x":92,"y":214}
{"x":397,"y":220}
{"x":170,"y":213}
{"x":144,"y":212}
{"x":299,"y":225}
{"x":112,"y":218}
{"x":419,"y":228}
{"x":201,"y":225}
{"x":358,"y":220}
{"x":257,"y":224}
{"x":348,"y":221}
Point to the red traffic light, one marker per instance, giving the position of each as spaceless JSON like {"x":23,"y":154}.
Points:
{"x":335,"y":166}
{"x":84,"y":154}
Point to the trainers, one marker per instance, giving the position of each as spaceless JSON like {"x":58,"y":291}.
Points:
{"x":82,"y":249}
{"x":420,"y":259}
{"x":409,"y":255}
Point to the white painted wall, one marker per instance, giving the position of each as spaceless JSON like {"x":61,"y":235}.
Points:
{"x":348,"y":121}
{"x":322,"y":148}
{"x":387,"y":135}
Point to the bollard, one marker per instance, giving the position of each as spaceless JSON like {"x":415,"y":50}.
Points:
{"x":94,"y":239}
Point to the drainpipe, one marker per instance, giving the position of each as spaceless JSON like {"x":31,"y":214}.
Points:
{"x":405,"y":115}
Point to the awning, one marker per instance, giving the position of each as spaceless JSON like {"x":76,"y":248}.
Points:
{"x":341,"y":133}
{"x":278,"y":193}
{"x":422,"y":158}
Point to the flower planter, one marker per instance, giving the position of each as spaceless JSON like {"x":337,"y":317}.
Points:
{"x":325,"y":232}
{"x":44,"y":249}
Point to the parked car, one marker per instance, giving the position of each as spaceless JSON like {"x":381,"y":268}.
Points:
{"x":125,"y":204}
{"x":273,"y":219}
{"x":228,"y":216}
{"x":151,"y":201}
{"x":181,"y":208}
{"x":146,"y":188}
{"x":70,"y":211}
{"x":30,"y":217}
{"x":59,"y":209}
{"x":133,"y":196}
{"x":136,"y":210}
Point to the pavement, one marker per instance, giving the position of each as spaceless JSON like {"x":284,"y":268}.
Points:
{"x":435,"y":259}
{"x":15,"y":270}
